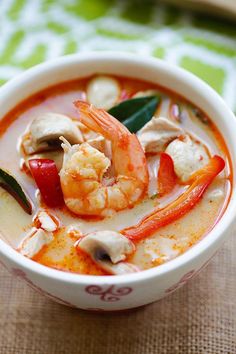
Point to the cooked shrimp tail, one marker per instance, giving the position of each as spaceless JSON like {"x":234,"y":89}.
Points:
{"x":127,"y":152}
{"x":100,"y":121}
{"x":84,"y":167}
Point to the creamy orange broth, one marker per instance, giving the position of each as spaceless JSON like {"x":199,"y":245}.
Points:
{"x":167,"y":243}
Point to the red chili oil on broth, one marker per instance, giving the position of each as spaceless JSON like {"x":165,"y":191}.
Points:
{"x":167,"y":242}
{"x":69,"y":261}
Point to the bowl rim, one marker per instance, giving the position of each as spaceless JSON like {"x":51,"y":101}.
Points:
{"x":216,"y":234}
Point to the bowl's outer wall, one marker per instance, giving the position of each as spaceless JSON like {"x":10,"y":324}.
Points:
{"x":117,"y":293}
{"x":107,"y":296}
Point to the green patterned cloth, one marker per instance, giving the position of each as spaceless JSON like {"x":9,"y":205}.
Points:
{"x":33,"y":31}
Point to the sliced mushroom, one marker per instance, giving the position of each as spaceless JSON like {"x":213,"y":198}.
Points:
{"x":45,"y":221}
{"x":188,"y":157}
{"x":34,"y":242}
{"x":119,"y":268}
{"x":107,"y":249}
{"x":45,"y":130}
{"x":158,"y":133}
{"x":103,"y":91}
{"x":109,"y":244}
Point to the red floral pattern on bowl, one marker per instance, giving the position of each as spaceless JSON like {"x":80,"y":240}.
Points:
{"x":108,"y":294}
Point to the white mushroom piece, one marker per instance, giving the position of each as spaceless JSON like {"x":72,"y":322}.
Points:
{"x":188,"y":157}
{"x":108,"y":249}
{"x":103,"y":91}
{"x":39,"y":236}
{"x":158,"y":133}
{"x":34,"y":242}
{"x":46,"y":221}
{"x":45,"y":130}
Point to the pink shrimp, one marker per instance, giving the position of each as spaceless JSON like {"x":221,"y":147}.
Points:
{"x":84,"y":167}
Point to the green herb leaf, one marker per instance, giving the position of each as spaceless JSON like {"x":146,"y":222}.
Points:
{"x":9,"y":183}
{"x":136,"y":112}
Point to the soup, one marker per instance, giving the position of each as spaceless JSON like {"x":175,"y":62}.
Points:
{"x":109,"y":175}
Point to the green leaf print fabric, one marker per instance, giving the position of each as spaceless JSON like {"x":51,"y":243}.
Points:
{"x":33,"y":31}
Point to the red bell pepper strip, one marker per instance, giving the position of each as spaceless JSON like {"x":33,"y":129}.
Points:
{"x":47,"y":179}
{"x":178,"y":208}
{"x":166,"y":175}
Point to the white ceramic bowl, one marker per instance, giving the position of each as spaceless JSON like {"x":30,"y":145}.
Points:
{"x":133,"y":290}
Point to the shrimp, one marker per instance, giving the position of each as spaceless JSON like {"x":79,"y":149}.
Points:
{"x":82,"y":175}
